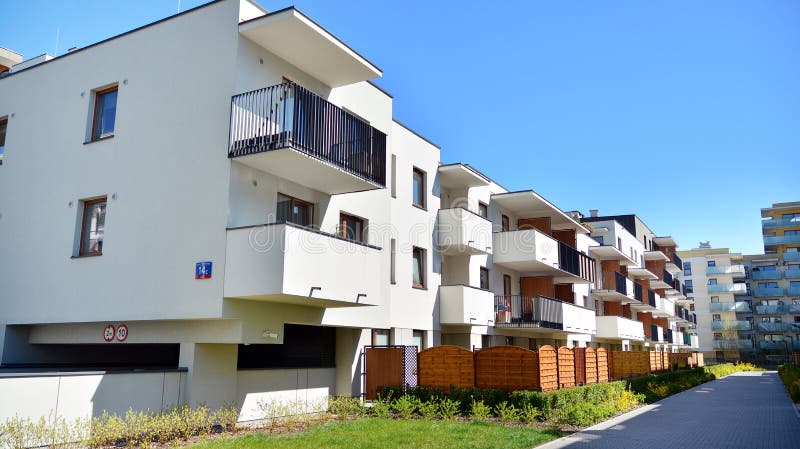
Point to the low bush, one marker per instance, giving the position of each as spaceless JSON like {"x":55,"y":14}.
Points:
{"x":790,"y":375}
{"x":659,"y":386}
{"x":21,"y":433}
{"x":725,"y":369}
{"x":344,"y":407}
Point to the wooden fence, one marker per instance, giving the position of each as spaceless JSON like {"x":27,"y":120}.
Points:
{"x":515,"y":368}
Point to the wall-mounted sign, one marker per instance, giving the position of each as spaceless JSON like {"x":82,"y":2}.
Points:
{"x":108,"y":333}
{"x":202,"y":270}
{"x":122,"y":332}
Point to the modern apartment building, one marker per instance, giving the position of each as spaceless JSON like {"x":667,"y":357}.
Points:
{"x":714,"y":279}
{"x":639,"y":301}
{"x":227,"y":191}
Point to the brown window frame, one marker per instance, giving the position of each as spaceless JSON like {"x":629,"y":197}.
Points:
{"x":480,"y":278}
{"x":292,"y":201}
{"x":423,"y":187}
{"x":343,"y":227}
{"x":483,"y":206}
{"x":505,"y":223}
{"x":422,"y":277}
{"x":86,"y":203}
{"x":98,"y":94}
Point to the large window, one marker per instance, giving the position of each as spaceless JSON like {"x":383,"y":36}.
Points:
{"x":418,"y":268}
{"x":105,"y":112}
{"x":689,"y":286}
{"x":295,"y":210}
{"x":92,"y":227}
{"x":687,"y":268}
{"x":418,"y":185}
{"x":3,"y":127}
{"x":351,"y":227}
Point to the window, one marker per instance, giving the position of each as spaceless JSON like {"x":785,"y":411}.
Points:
{"x":716,"y":317}
{"x":418,"y":269}
{"x":507,"y":285}
{"x":483,"y":210}
{"x":687,"y":268}
{"x":715,"y":299}
{"x":505,"y":223}
{"x":393,"y":262}
{"x":92,"y":227}
{"x":380,"y":337}
{"x":351,"y":227}
{"x":619,"y":243}
{"x":717,"y":336}
{"x":418,"y":339}
{"x":394,"y":176}
{"x":484,"y":278}
{"x":768,"y":285}
{"x":712,"y":263}
{"x":105,"y":112}
{"x":418,"y":185}
{"x":712,"y":282}
{"x":689,"y":286}
{"x":792,"y":232}
{"x":294,"y":210}
{"x":599,"y":239}
{"x":691,"y":307}
{"x":3,"y":128}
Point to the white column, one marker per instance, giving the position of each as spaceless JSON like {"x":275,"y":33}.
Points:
{"x":211,"y":379}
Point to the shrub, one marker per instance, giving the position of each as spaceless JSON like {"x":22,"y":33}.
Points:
{"x":449,"y":408}
{"x":790,"y":375}
{"x":725,"y":369}
{"x":405,"y":406}
{"x":659,"y":386}
{"x":428,"y":409}
{"x":388,"y":392}
{"x":343,"y":407}
{"x":507,"y":412}
{"x":381,"y":409}
{"x":21,"y":433}
{"x":530,"y":413}
{"x":480,"y":410}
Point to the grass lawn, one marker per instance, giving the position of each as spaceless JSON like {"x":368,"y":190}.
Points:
{"x":386,"y":433}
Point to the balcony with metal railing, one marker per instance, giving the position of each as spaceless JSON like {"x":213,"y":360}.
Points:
{"x":791,"y":256}
{"x":780,"y":223}
{"x":765,"y":275}
{"x":773,"y":240}
{"x":733,"y":344}
{"x":777,"y":327}
{"x":718,"y":325}
{"x":792,"y":273}
{"x":542,"y":312}
{"x":295,"y":134}
{"x":533,"y":251}
{"x":736,"y":288}
{"x":771,"y":309}
{"x":739,"y":306}
{"x":793,"y":290}
{"x":720,"y":270}
{"x":761,"y":292}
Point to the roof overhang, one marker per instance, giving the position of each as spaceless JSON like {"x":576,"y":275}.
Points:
{"x":460,"y":175}
{"x":664,"y":241}
{"x":296,"y":38}
{"x":529,"y":204}
{"x":641,"y":273}
{"x":655,"y":255}
{"x":9,"y":58}
{"x":608,"y":252}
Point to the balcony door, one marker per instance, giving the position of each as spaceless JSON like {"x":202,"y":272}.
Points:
{"x":537,"y":286}
{"x":566,"y":236}
{"x":542,"y":224}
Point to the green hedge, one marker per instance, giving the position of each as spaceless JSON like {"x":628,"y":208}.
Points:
{"x":724,"y":369}
{"x":790,"y":375}
{"x":659,"y":386}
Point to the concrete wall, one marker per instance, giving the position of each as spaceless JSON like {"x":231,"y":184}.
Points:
{"x":272,"y":392}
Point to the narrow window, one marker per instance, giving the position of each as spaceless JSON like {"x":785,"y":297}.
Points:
{"x":483,"y":210}
{"x":715,"y":299}
{"x":717,"y":336}
{"x":689,"y":286}
{"x":712,"y":282}
{"x":716,"y":317}
{"x":394,"y":176}
{"x":3,"y":128}
{"x":687,"y":268}
{"x":507,"y":285}
{"x":619,"y":243}
{"x":418,"y":270}
{"x":105,"y":113}
{"x":380,"y":337}
{"x":419,"y":188}
{"x":484,"y":278}
{"x":294,"y":210}
{"x":92,"y":227}
{"x":393,"y":262}
{"x":505,"y":223}
{"x":418,"y":339}
{"x":351,"y":227}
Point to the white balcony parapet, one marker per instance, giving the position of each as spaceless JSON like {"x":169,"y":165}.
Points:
{"x":460,"y":231}
{"x":465,"y":305}
{"x":615,"y":327}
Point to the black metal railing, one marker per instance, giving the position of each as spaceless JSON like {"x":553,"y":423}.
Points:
{"x":575,"y":262}
{"x":528,"y":311}
{"x":676,"y":284}
{"x":651,"y":298}
{"x":621,"y":284}
{"x":694,"y":318}
{"x":290,"y":116}
{"x":668,"y":278}
{"x":677,"y":261}
{"x":638,"y":292}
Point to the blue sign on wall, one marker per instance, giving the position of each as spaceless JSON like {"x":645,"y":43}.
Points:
{"x":202,"y":270}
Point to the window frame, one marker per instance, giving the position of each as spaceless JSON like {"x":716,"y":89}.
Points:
{"x":422,"y":254}
{"x":3,"y":124}
{"x":86,"y":203}
{"x":687,"y":268}
{"x":484,"y":271}
{"x":292,"y":200}
{"x":505,"y":223}
{"x":99,"y":94}
{"x":712,"y":263}
{"x":343,"y":229}
{"x":423,"y":185}
{"x":481,"y":208}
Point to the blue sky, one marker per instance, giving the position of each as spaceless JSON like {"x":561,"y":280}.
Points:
{"x":686,"y":113}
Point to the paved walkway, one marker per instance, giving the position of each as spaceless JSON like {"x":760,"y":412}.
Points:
{"x":743,"y":410}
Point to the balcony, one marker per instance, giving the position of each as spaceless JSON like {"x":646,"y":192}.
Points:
{"x":465,"y":305}
{"x":792,"y":273}
{"x":638,"y":292}
{"x":719,"y":325}
{"x":664,"y":282}
{"x":535,"y":252}
{"x":733,"y":270}
{"x":291,"y":264}
{"x":736,"y":289}
{"x":777,"y":327}
{"x":676,"y":262}
{"x":780,"y":223}
{"x":656,"y":333}
{"x":791,"y":256}
{"x":668,"y":335}
{"x":765,"y":275}
{"x":794,"y":308}
{"x":677,"y":338}
{"x":463,"y":232}
{"x":793,"y":291}
{"x":687,"y":339}
{"x":619,"y":328}
{"x":768,"y":291}
{"x":297,"y":135}
{"x":771,"y":309}
{"x":541,"y":312}
{"x":739,"y":306}
{"x":620,"y":290}
{"x":779,"y":345}
{"x":774,"y":240}
{"x":733,"y":344}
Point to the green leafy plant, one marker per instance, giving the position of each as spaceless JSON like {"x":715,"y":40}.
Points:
{"x":405,"y":406}
{"x":428,"y":409}
{"x":448,"y":408}
{"x":790,"y":375}
{"x":507,"y":412}
{"x":480,"y":410}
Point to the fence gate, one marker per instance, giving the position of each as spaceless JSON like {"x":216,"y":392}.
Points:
{"x":389,"y":366}
{"x":580,"y":366}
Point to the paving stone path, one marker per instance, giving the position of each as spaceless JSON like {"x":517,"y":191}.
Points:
{"x":741,"y":411}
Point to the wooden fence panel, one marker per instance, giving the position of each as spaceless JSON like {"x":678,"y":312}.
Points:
{"x":446,"y":366}
{"x":679,"y":360}
{"x":548,"y":368}
{"x":580,"y":365}
{"x":603,"y":368}
{"x":566,"y":367}
{"x":630,"y":363}
{"x":590,"y":360}
{"x":507,"y":367}
{"x":384,"y":368}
